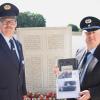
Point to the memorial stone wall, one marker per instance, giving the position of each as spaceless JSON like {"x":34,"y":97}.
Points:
{"x":42,"y":48}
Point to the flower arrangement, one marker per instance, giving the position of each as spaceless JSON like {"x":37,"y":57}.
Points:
{"x":39,"y":96}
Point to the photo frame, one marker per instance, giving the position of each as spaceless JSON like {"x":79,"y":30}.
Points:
{"x":70,"y":63}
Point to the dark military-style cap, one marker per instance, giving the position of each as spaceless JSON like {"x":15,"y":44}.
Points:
{"x":90,"y":24}
{"x":8,"y":9}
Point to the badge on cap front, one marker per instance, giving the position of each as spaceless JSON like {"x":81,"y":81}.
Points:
{"x":7,"y":7}
{"x":88,"y":21}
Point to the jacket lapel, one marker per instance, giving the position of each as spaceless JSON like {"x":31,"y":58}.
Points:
{"x":95,"y":59}
{"x":4,"y":46}
{"x":20,"y":54}
{"x":80,"y":57}
{"x":92,"y":64}
{"x":19,"y":49}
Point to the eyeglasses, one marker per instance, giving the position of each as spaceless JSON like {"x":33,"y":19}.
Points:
{"x":8,"y":21}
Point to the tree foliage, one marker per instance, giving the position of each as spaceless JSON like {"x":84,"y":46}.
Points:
{"x":74,"y":27}
{"x":28,"y":19}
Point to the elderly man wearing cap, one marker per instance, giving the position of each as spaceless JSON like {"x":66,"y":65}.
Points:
{"x":12,"y":73}
{"x":89,"y":59}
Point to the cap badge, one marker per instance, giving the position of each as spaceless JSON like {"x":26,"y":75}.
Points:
{"x":7,"y":7}
{"x":88,"y":21}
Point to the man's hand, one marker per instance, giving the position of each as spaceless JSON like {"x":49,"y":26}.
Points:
{"x":84,"y":95}
{"x":56,"y":71}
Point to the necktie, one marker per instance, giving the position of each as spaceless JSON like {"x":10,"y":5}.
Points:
{"x":83,"y":67}
{"x":85,"y":58}
{"x":13,"y":51}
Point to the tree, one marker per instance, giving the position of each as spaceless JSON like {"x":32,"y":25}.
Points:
{"x":28,"y":19}
{"x":74,"y":27}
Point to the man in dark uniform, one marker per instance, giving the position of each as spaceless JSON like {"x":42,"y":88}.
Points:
{"x":12,"y":72}
{"x":89,"y":59}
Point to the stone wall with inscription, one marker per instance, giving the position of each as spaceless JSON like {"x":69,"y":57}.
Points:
{"x":42,"y":48}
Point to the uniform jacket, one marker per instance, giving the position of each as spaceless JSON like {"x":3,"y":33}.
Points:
{"x":91,"y":79}
{"x":12,"y":73}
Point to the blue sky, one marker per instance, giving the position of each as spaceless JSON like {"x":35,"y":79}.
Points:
{"x":59,"y":12}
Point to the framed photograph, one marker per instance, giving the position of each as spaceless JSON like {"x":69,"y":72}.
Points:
{"x":68,"y":85}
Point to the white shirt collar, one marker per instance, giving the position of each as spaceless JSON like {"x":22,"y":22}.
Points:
{"x":92,"y":50}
